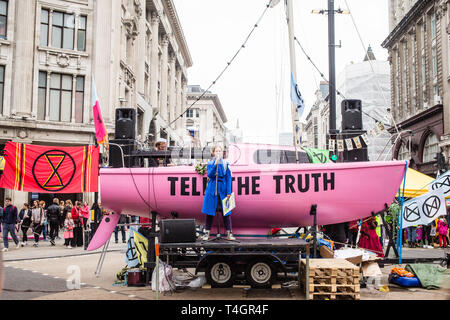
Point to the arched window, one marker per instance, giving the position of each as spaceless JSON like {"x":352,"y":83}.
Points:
{"x":403,"y":153}
{"x":430,"y":148}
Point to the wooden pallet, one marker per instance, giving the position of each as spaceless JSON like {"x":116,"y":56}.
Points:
{"x":331,"y":279}
{"x":334,"y":296}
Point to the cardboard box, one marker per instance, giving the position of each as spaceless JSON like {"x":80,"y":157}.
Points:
{"x":371,"y":269}
{"x":327,"y":253}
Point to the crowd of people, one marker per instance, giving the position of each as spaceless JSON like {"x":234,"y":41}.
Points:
{"x":372,"y":234}
{"x":72,"y":219}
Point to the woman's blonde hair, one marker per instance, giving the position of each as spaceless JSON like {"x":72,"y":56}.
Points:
{"x":214,"y":147}
{"x":69,"y":215}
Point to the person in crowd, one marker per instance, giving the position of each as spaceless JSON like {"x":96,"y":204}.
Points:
{"x":78,"y":225}
{"x":442,"y":229}
{"x":37,"y":221}
{"x":68,"y":230}
{"x":426,"y":238}
{"x":54,"y":218}
{"x":160,"y":145}
{"x":336,"y":232}
{"x":25,"y":222}
{"x":9,"y":221}
{"x":412,"y":236}
{"x":145,"y":229}
{"x":212,"y":202}
{"x":379,"y":229}
{"x":45,"y":227}
{"x":67,"y":208}
{"x":97,"y":208}
{"x":353,"y":227}
{"x":122,"y":220}
{"x":369,"y":239}
{"x":85,"y":214}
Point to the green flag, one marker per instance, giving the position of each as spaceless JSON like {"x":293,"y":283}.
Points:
{"x":318,"y":155}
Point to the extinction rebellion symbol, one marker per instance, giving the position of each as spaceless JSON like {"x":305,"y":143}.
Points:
{"x":443,"y":182}
{"x":54,"y":170}
{"x":412,"y":213}
{"x":431,"y":206}
{"x":320,"y":157}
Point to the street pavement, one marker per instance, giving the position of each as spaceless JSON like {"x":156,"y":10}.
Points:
{"x":49,"y":273}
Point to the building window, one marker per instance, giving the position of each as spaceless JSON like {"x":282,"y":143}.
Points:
{"x":430,"y":148}
{"x":44,"y":27}
{"x":79,"y":99}
{"x":42,"y":95}
{"x":3,"y":18}
{"x":61,"y":92}
{"x":63,"y":26}
{"x":2,"y":86}
{"x":81,"y":34}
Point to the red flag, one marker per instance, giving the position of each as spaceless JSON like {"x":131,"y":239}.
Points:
{"x":100,"y":130}
{"x":46,"y":169}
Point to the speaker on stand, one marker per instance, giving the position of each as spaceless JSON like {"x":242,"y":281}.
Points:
{"x":125,"y":123}
{"x":351,"y":115}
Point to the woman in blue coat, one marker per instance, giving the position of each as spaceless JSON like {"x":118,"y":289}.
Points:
{"x":212,"y":203}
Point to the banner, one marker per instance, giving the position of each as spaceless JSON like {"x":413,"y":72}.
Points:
{"x":332,"y":144}
{"x":296,"y":96}
{"x":141,"y":244}
{"x":424,"y":209}
{"x":349,"y":144}
{"x":318,"y":155}
{"x":357,"y":141}
{"x":131,"y":257}
{"x":45,"y":169}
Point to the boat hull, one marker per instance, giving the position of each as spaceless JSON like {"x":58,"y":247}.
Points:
{"x":266,"y":195}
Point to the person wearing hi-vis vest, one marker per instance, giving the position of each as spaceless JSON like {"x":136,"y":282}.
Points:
{"x":212,"y":202}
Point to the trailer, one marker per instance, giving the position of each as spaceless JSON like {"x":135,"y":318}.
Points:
{"x":258,"y":260}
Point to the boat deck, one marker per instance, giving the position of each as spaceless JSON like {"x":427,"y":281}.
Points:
{"x":266,"y":244}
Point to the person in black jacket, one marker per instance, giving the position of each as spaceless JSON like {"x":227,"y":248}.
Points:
{"x":10,"y":217}
{"x":25,"y":222}
{"x":54,"y":218}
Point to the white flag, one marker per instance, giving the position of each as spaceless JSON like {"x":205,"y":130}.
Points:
{"x":340,"y":145}
{"x":349,"y":144}
{"x":365,"y":138}
{"x":443,"y":182}
{"x":332,"y":143}
{"x":424,"y":209}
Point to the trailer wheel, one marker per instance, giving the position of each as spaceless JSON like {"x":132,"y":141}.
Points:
{"x":220,"y":273}
{"x":260,"y":274}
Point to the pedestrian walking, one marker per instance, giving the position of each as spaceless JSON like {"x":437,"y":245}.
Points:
{"x":45,"y":225}
{"x":37,"y":221}
{"x":25,"y":222}
{"x":9,"y":221}
{"x":68,"y":230}
{"x":54,"y":217}
{"x":122,"y":220}
{"x":77,"y":240}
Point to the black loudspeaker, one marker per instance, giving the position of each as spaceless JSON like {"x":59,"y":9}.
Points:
{"x":125,"y":123}
{"x":115,"y":155}
{"x":355,"y":155}
{"x":177,"y":231}
{"x":351,"y":115}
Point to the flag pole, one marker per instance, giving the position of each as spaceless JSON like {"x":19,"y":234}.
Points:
{"x":294,"y":111}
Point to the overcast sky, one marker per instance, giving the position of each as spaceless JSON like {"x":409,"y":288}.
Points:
{"x":255,"y":89}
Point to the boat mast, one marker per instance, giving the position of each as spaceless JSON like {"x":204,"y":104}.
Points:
{"x":294,"y":111}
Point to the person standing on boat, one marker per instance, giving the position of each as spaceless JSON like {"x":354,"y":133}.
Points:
{"x":212,"y":202}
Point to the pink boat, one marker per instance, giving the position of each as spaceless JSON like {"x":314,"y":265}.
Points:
{"x":267,"y":195}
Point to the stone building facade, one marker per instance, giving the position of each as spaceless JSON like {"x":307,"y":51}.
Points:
{"x":418,"y":45}
{"x":52,"y":50}
{"x":206,"y":119}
